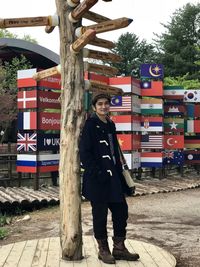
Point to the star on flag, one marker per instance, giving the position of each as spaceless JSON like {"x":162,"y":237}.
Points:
{"x":173,"y":125}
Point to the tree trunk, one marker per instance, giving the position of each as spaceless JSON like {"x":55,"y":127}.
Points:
{"x":72,"y":117}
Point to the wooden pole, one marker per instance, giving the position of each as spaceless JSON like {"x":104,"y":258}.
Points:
{"x":29,"y":22}
{"x":72,"y":119}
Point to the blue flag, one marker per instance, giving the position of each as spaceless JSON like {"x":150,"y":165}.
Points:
{"x":173,"y":158}
{"x":153,"y":71}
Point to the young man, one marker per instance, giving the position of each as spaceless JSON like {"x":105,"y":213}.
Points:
{"x":103,"y":182}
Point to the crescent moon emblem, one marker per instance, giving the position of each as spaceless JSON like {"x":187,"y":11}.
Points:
{"x":151,"y":72}
{"x":169,"y":142}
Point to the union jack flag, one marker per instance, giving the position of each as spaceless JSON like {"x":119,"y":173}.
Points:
{"x":27,"y":141}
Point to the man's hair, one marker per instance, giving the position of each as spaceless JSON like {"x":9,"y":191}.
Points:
{"x":99,"y":96}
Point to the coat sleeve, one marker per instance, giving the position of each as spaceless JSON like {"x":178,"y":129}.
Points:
{"x":87,"y":149}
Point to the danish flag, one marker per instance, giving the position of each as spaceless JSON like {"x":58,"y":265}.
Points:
{"x":27,"y":99}
{"x":26,"y":141}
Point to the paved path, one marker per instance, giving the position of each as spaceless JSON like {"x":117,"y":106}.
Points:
{"x":46,"y":252}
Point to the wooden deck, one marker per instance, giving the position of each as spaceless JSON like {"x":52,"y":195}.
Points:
{"x":46,"y":252}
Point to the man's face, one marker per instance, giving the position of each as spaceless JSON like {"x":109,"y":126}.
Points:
{"x":102,"y":107}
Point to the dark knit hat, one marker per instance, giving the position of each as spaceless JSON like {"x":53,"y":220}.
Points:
{"x":99,"y":96}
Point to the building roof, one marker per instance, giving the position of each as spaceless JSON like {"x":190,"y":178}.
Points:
{"x":39,"y":56}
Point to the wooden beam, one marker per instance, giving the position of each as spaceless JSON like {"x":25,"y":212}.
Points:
{"x":82,"y":41}
{"x":29,"y":22}
{"x":73,"y":3}
{"x":81,"y":9}
{"x":103,"y":69}
{"x":105,"y":26}
{"x":47,"y":73}
{"x":95,"y":17}
{"x":97,"y":87}
{"x":102,"y":43}
{"x":89,"y":53}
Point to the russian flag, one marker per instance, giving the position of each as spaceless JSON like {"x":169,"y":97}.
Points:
{"x":27,"y":120}
{"x":152,"y":159}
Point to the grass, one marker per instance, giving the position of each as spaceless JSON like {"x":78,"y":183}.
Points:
{"x":3,"y":231}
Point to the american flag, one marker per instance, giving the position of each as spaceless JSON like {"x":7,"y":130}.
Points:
{"x":26,"y":141}
{"x":120,"y":103}
{"x":152,"y":141}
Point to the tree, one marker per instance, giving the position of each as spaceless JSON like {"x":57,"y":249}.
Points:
{"x":6,"y":34}
{"x":134,"y":52}
{"x":8,"y":95}
{"x":178,"y":45}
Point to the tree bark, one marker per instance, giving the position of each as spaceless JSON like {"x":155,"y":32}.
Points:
{"x":72,"y":117}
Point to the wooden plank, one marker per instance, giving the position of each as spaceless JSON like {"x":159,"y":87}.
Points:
{"x":169,"y":257}
{"x":41,"y":251}
{"x":53,"y":256}
{"x":132,"y":250}
{"x":15,"y":254}
{"x":91,"y":253}
{"x":156,"y":255}
{"x":145,"y":257}
{"x":28,"y":253}
{"x":4,"y":252}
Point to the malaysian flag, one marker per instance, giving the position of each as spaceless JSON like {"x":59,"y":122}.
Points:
{"x":151,"y":141}
{"x":27,"y":141}
{"x":120,"y":103}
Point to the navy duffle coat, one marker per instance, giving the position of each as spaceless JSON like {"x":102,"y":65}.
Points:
{"x":102,"y":179}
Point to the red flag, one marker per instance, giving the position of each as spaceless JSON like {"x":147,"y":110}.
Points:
{"x":173,"y":141}
{"x":125,"y":141}
{"x":27,"y":99}
{"x":153,"y":88}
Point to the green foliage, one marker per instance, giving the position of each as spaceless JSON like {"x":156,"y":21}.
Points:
{"x":3,"y":233}
{"x":178,"y":45}
{"x":4,"y":33}
{"x":134,"y":52}
{"x":3,"y":219}
{"x":182,"y":81}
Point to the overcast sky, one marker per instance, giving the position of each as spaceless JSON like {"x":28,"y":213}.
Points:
{"x":147,"y":17}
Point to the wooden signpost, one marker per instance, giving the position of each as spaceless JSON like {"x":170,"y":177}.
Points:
{"x":69,"y":19}
{"x":29,"y":22}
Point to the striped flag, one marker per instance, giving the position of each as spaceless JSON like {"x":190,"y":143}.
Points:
{"x":193,"y":110}
{"x":152,"y":159}
{"x":24,"y":78}
{"x":173,"y":158}
{"x":120,"y":103}
{"x":192,"y":156}
{"x":27,"y":120}
{"x":173,"y":92}
{"x":192,"y":141}
{"x":192,"y":126}
{"x":26,"y":141}
{"x":151,"y":124}
{"x":121,"y":82}
{"x":122,"y":122}
{"x":32,"y":163}
{"x":174,"y":125}
{"x":192,"y":96}
{"x":27,"y":99}
{"x":152,"y":88}
{"x":173,"y":141}
{"x":151,"y":141}
{"x":136,"y":123}
{"x":151,"y":106}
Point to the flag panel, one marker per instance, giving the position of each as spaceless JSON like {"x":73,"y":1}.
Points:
{"x":174,"y":125}
{"x":152,"y":159}
{"x":27,"y":120}
{"x":192,"y":157}
{"x":121,"y":82}
{"x":27,"y":99}
{"x":136,"y":141}
{"x":191,"y":96}
{"x":193,"y":110}
{"x":151,"y":88}
{"x":120,"y":103}
{"x":151,"y":141}
{"x":174,"y":92}
{"x":24,"y":78}
{"x":125,"y":141}
{"x":122,"y":122}
{"x":135,"y":86}
{"x":154,"y":71}
{"x":152,"y":124}
{"x":151,"y":106}
{"x":192,"y":141}
{"x":49,"y":121}
{"x":173,"y":158}
{"x":26,"y":141}
{"x":173,"y":141}
{"x":192,"y":126}
{"x":136,"y":160}
{"x":136,"y":104}
{"x":174,"y":109}
{"x":136,"y":123}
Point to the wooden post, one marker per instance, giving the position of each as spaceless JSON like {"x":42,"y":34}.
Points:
{"x":72,"y":118}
